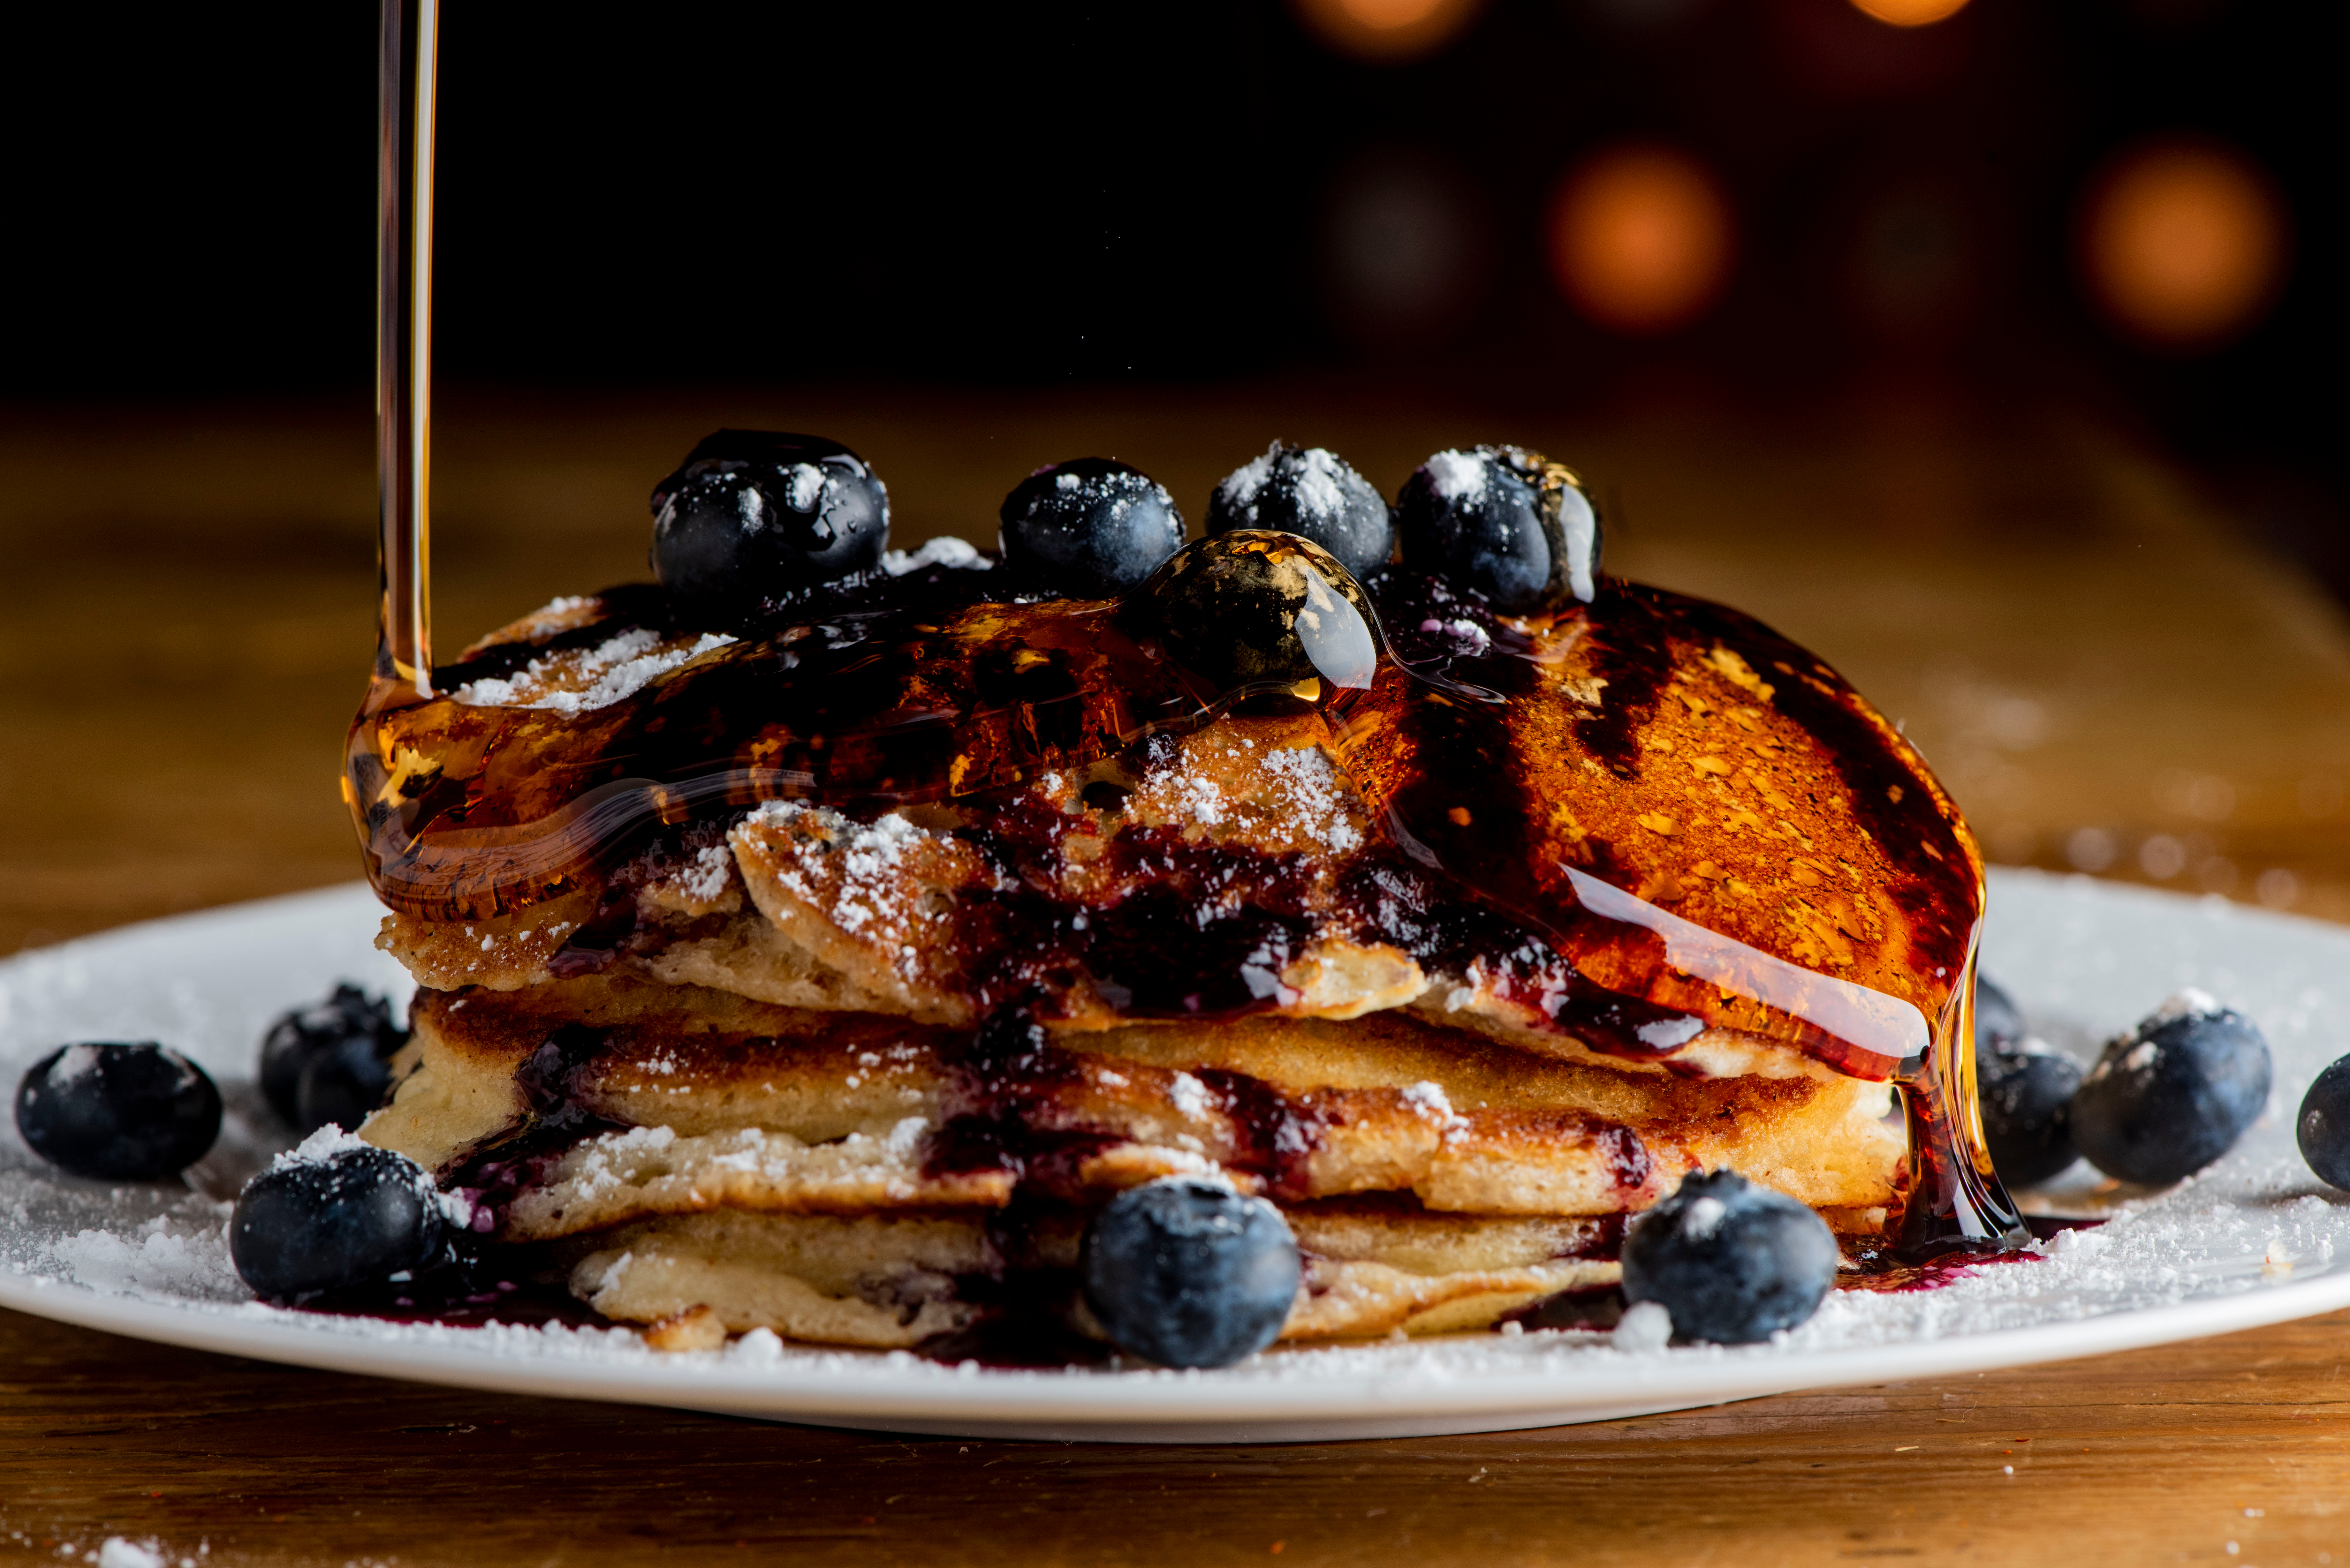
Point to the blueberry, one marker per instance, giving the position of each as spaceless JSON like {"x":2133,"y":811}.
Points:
{"x":753,"y":518}
{"x":1250,"y":608}
{"x":349,"y":1026}
{"x":343,"y":1083}
{"x":335,"y":1218}
{"x":2026,"y":1090}
{"x":1188,"y":1272}
{"x":1997,"y":1018}
{"x":2325,"y":1125}
{"x":2173,"y":1094}
{"x":1505,"y":521}
{"x":120,"y":1113}
{"x":1089,"y":528}
{"x":1313,"y":493}
{"x":1733,"y":1262}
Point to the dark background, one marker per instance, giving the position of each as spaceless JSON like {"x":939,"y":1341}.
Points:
{"x":757,"y":194}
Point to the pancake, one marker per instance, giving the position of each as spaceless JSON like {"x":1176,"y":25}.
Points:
{"x":825,"y":974}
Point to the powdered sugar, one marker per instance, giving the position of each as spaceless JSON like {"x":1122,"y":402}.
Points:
{"x":804,"y":487}
{"x":320,"y":1148}
{"x":1702,"y":1218}
{"x":1645,"y":1328}
{"x":1431,"y":1102}
{"x":1315,"y":477}
{"x":1320,"y":494}
{"x":2186,"y":1001}
{"x":1458,"y":476}
{"x":616,"y":668}
{"x":76,"y":1063}
{"x":1189,"y":1096}
{"x":1313,"y":800}
{"x":1183,"y":797}
{"x":706,"y":878}
{"x":1241,"y":487}
{"x":957,"y":554}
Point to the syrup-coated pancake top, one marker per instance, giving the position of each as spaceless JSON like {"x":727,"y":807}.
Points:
{"x":1695,"y":821}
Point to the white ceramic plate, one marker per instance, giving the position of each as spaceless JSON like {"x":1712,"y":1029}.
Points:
{"x":2253,"y":1241}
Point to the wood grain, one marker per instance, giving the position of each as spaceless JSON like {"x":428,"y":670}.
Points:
{"x":2076,"y":640}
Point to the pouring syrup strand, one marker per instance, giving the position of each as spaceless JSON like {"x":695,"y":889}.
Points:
{"x":404,"y":366}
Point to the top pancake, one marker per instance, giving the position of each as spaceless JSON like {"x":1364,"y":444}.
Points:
{"x":1641,"y":828}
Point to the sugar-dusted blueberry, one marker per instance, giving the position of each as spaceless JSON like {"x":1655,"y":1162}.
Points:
{"x":353,"y":1028}
{"x":2324,"y":1125}
{"x":335,"y":1215}
{"x":2174,"y":1094}
{"x":118,"y":1112}
{"x":1088,"y":529}
{"x":1509,"y":523}
{"x":1732,"y":1262}
{"x":1252,"y":608}
{"x":753,"y":518}
{"x":1309,"y":490}
{"x":2025,"y":1088}
{"x":1185,"y":1271}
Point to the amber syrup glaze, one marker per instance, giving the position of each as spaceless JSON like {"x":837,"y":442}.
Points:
{"x":1701,"y":823}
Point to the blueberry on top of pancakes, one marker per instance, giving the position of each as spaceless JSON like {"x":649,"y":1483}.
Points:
{"x":1311,"y":492}
{"x":1504,"y":522}
{"x":1088,"y":529}
{"x":1256,"y":609}
{"x":753,"y":516}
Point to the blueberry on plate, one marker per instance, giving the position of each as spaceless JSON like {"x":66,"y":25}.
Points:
{"x":1732,"y":1262}
{"x":1089,"y":528}
{"x":1997,"y":1017}
{"x":1187,"y":1272}
{"x":1507,"y":523}
{"x":118,"y":1113}
{"x":2324,"y":1125}
{"x":1311,"y":492}
{"x":1250,"y":609}
{"x":753,"y":517}
{"x":344,"y":1045}
{"x":2173,"y":1094}
{"x":335,"y":1215}
{"x":2025,"y":1089}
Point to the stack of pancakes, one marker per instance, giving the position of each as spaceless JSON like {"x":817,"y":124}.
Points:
{"x":858,"y":1078}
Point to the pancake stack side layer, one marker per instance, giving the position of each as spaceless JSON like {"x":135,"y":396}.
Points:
{"x":825,"y":976}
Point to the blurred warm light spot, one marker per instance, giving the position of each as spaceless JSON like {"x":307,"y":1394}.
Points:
{"x":2183,"y":244}
{"x":1911,"y":13}
{"x":1386,"y":30}
{"x":1640,"y":239}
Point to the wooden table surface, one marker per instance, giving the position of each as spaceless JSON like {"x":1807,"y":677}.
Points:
{"x":2106,"y":672}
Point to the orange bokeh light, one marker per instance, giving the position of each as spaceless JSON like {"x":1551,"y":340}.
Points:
{"x":1911,"y":13}
{"x":1386,"y":30}
{"x":2183,"y":244}
{"x":1640,"y":239}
